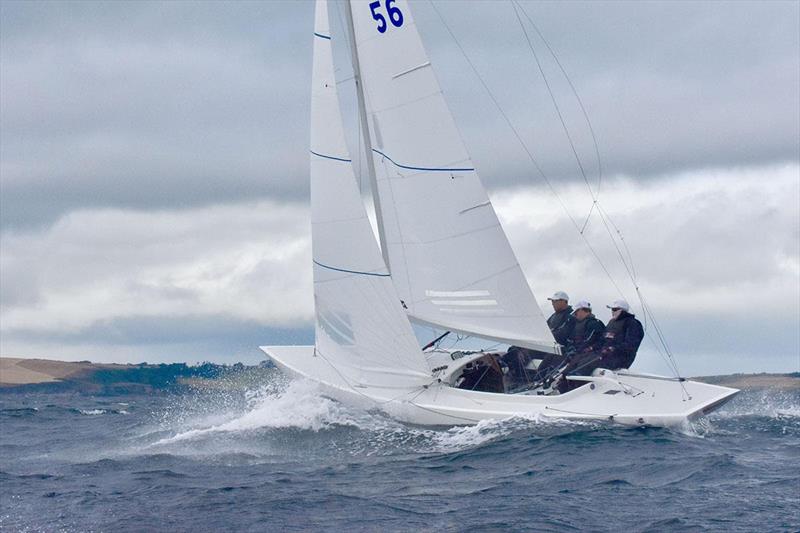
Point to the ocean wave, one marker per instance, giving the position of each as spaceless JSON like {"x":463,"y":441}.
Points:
{"x":92,"y":412}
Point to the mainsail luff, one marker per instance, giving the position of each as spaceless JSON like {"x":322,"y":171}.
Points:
{"x":449,"y":257}
{"x":361,"y":329}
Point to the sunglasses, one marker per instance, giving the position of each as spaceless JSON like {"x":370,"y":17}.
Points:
{"x":615,"y":309}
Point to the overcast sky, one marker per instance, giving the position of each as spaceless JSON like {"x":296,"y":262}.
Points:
{"x":154,"y":169}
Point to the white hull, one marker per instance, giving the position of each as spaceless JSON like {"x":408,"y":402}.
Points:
{"x":621,"y":397}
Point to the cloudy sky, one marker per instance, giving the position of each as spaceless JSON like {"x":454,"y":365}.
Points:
{"x":153,"y":169}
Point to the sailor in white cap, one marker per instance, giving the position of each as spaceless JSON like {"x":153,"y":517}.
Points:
{"x":587,"y":334}
{"x":561,"y":321}
{"x":518,"y":358}
{"x":624,"y":334}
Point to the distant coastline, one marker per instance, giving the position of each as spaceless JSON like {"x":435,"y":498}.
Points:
{"x":45,"y":375}
{"x":20,"y":374}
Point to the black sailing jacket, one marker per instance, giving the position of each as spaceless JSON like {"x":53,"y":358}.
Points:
{"x":587,"y":335}
{"x":622,"y":339}
{"x":561,"y":324}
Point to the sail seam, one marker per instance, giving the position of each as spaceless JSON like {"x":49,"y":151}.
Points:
{"x":455,"y":236}
{"x":424,"y":169}
{"x":383,"y":110}
{"x":350,"y":271}
{"x":331,"y":157}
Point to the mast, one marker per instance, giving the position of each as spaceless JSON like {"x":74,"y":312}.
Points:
{"x":362,"y":113}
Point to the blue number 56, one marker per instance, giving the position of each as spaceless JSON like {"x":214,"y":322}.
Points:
{"x":395,"y":15}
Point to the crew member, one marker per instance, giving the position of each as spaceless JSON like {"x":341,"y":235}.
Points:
{"x":587,"y":333}
{"x":561,"y":321}
{"x":582,"y":344}
{"x":623,"y":336}
{"x":516,"y":359}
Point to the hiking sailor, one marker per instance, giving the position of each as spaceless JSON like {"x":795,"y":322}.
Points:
{"x":561,"y":321}
{"x":587,"y":333}
{"x":623,"y":336}
{"x":517,"y":359}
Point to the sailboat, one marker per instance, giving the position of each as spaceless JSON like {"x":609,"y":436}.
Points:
{"x":443,"y":261}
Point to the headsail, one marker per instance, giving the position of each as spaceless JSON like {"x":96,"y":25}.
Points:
{"x":361,"y":328}
{"x":449,"y":257}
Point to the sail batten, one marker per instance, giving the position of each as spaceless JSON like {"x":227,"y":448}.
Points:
{"x":440,"y":230}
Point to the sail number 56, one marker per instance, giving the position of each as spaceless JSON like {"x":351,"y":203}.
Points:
{"x":395,"y":15}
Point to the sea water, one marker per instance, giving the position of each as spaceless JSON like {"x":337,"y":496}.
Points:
{"x":281,"y":457}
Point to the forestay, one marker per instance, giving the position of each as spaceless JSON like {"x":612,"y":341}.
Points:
{"x":449,"y":257}
{"x":361,"y":328}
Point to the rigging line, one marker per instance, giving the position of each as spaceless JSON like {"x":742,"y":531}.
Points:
{"x":528,"y":152}
{"x":515,"y":4}
{"x":588,"y":216}
{"x":502,"y":113}
{"x":648,"y":312}
{"x":575,"y":93}
{"x":553,"y":99}
{"x":629,"y":269}
{"x":621,"y":237}
{"x":532,"y":158}
{"x":605,"y":218}
{"x":523,"y":145}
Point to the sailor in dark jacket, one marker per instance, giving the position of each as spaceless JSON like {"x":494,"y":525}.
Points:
{"x":624,"y":334}
{"x":587,"y":332}
{"x":586,"y":336}
{"x":517,"y":359}
{"x":561,"y":321}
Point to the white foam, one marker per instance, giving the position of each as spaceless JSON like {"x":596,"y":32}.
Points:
{"x":92,"y":412}
{"x":299,"y":406}
{"x":769,"y":403}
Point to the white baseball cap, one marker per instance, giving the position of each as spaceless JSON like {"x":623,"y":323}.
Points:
{"x":560,"y":295}
{"x":583,"y":304}
{"x":621,"y":304}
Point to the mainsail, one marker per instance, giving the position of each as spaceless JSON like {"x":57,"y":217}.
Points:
{"x":361,"y":328}
{"x":450,"y":260}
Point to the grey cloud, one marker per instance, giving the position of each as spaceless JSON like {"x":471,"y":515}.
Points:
{"x":220,"y":330}
{"x":145,"y":116}
{"x":669,"y":86}
{"x":160,"y":104}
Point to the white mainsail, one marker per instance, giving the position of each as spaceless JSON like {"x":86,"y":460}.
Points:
{"x":361,"y":328}
{"x":449,"y":257}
